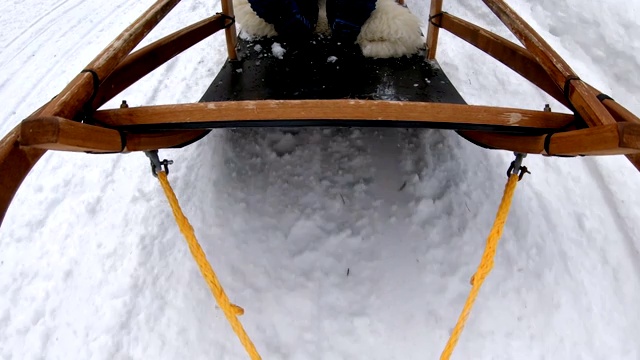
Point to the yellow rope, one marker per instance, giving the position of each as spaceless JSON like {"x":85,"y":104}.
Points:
{"x":486,"y":264}
{"x":230,"y":310}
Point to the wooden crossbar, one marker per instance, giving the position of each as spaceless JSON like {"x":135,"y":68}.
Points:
{"x":612,"y":139}
{"x":512,"y":55}
{"x":149,"y":58}
{"x":370,"y":110}
{"x":578,"y":93}
{"x":434,"y":29}
{"x":18,"y":161}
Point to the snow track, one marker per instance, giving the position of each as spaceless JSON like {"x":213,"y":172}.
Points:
{"x":339,"y":243}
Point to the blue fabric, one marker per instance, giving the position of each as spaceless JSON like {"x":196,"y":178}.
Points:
{"x":296,"y":19}
{"x":292,"y":19}
{"x":346,"y":17}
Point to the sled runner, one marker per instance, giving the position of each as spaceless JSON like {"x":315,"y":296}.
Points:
{"x":340,"y":88}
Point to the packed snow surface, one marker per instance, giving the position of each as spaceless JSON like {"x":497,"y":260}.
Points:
{"x":339,"y":243}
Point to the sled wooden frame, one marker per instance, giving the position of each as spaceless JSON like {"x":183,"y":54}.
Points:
{"x":600,"y":126}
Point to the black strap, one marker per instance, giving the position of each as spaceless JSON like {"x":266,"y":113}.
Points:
{"x":438,"y":15}
{"x":603,"y":97}
{"x":547,"y":142}
{"x":96,"y":84}
{"x":232,"y":19}
{"x":123,"y":140}
{"x":88,"y":109}
{"x":567,"y":90}
{"x":88,"y":106}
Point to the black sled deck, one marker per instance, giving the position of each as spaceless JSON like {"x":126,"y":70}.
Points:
{"x":323,"y":70}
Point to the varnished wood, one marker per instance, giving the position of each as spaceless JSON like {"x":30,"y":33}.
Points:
{"x":332,"y":110}
{"x":15,"y":164}
{"x":433,"y":30}
{"x":613,"y":139}
{"x":498,"y":141}
{"x":162,"y":140}
{"x":512,"y":55}
{"x":149,"y":58}
{"x":613,"y":129}
{"x":56,"y":133}
{"x":621,"y":114}
{"x":634,"y":159}
{"x":71,"y":100}
{"x":590,"y":108}
{"x":230,"y":32}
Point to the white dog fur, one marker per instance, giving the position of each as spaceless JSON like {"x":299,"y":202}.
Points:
{"x":391,"y":30}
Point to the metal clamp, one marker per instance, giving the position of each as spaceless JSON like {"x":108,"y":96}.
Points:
{"x":516,"y":167}
{"x":157,"y":165}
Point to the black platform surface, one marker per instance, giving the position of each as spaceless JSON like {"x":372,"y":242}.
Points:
{"x":325,"y":70}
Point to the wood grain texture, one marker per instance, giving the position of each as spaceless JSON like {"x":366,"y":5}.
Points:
{"x":510,"y":54}
{"x":15,"y":164}
{"x":614,"y":139}
{"x":15,"y":161}
{"x":498,"y":141}
{"x":56,"y":133}
{"x":590,"y":108}
{"x":73,"y":97}
{"x":230,"y":32}
{"x":332,"y":110}
{"x":621,"y":114}
{"x":433,"y":31}
{"x":149,"y":58}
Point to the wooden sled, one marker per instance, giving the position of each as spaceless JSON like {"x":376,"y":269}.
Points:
{"x":256,"y":90}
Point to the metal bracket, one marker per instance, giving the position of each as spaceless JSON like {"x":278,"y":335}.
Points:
{"x":157,"y":165}
{"x":516,"y":167}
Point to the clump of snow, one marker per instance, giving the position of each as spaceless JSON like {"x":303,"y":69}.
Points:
{"x":277,"y":50}
{"x":283,"y":143}
{"x":434,"y":64}
{"x":332,"y":59}
{"x":257,"y":48}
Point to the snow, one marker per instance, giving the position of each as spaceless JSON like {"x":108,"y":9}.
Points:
{"x":332,"y":59}
{"x":92,"y":265}
{"x":277,"y":50}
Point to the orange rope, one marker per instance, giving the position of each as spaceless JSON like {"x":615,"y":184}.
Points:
{"x":486,"y":264}
{"x":230,"y":310}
